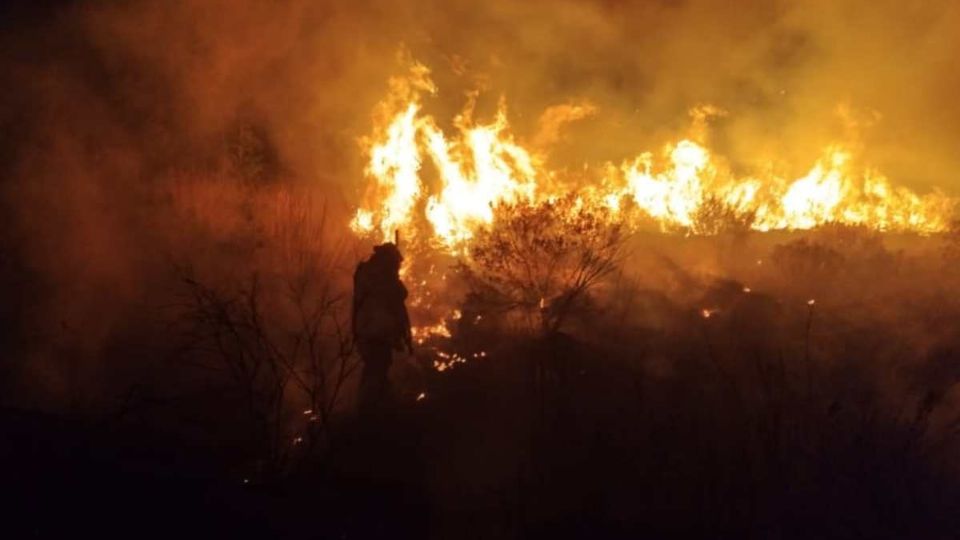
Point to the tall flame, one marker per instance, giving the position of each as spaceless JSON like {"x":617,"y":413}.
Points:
{"x":482,"y":165}
{"x":501,"y":171}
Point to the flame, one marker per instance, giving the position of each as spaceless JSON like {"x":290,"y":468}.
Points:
{"x":441,"y":186}
{"x":502,"y":172}
{"x":422,"y":333}
{"x":483,"y":164}
{"x":672,"y":195}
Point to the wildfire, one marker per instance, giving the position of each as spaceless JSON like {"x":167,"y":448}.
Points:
{"x":482,"y":164}
{"x":439,"y":187}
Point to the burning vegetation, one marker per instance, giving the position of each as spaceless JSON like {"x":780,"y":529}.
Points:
{"x":673,"y":269}
{"x":534,"y":239}
{"x":677,"y":189}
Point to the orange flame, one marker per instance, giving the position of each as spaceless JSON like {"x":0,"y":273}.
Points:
{"x":483,"y":164}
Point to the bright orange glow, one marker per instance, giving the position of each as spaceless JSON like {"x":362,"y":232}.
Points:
{"x":440,"y":187}
{"x":423,"y":333}
{"x":481,"y":165}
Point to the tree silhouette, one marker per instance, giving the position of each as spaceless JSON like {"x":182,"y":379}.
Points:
{"x":714,"y":217}
{"x":539,"y":260}
{"x":279,"y":337}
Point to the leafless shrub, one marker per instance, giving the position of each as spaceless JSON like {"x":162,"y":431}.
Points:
{"x":805,"y":261}
{"x":951,"y":246}
{"x":278,"y":335}
{"x":714,"y":217}
{"x":860,"y":246}
{"x":540,"y":260}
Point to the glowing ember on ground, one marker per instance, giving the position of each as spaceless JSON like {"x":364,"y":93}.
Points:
{"x":445,"y":360}
{"x":422,"y":333}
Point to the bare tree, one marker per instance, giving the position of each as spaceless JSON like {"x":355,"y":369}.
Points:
{"x":541,"y":259}
{"x":951,"y":244}
{"x":279,"y":336}
{"x":714,"y":217}
{"x":807,"y":261}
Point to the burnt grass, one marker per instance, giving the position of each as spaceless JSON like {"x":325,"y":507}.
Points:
{"x":772,"y":418}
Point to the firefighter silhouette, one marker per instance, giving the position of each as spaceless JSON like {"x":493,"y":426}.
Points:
{"x":380,"y":322}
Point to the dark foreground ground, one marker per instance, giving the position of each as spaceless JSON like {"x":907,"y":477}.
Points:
{"x":674,"y":404}
{"x":574,"y":445}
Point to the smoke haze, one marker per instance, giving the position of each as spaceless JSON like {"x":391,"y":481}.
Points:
{"x":115,"y":112}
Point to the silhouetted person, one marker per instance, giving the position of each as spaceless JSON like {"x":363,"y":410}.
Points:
{"x":380,"y":322}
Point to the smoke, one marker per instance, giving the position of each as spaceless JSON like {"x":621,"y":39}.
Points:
{"x":114,"y":106}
